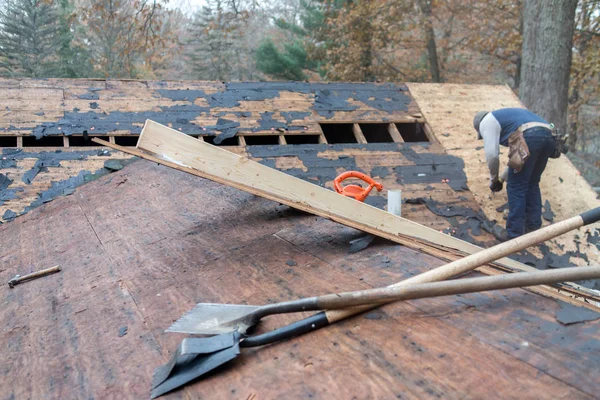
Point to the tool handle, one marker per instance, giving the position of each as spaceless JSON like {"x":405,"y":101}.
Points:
{"x":423,"y":290}
{"x":591,"y":216}
{"x":39,"y":274}
{"x":438,"y":274}
{"x":460,"y":286}
{"x":311,"y":323}
{"x":483,"y":257}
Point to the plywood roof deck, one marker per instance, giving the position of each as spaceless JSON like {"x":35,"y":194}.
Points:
{"x":58,"y":113}
{"x":141,"y":246}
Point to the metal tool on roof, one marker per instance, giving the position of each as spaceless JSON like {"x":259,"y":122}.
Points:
{"x":197,"y":356}
{"x":20,"y":279}
{"x":356,"y":191}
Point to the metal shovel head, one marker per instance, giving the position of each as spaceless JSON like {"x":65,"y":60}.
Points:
{"x":195,"y":367}
{"x":213,"y":319}
{"x":190,"y":348}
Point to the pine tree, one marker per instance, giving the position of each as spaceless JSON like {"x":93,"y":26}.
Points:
{"x":213,"y":50}
{"x":73,"y":58}
{"x":28,"y":33}
{"x":302,"y":52}
{"x":286,"y":65}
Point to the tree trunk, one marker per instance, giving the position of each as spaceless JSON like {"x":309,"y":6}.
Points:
{"x":432,"y":56}
{"x":546,"y":61}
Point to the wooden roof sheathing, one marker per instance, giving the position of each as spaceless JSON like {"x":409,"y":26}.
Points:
{"x":141,"y":246}
{"x":157,"y":240}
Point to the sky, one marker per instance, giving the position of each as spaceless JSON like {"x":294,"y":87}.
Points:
{"x":187,"y":6}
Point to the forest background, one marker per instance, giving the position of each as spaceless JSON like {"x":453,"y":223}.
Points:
{"x":466,"y":41}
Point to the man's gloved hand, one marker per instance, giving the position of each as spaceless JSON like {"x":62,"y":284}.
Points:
{"x":496,"y":185}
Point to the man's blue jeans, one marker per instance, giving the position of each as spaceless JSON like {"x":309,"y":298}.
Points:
{"x":524,"y":197}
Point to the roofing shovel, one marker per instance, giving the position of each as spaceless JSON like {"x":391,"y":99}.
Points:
{"x":236,"y":319}
{"x":197,"y":356}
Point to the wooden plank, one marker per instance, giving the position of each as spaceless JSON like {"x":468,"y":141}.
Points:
{"x":187,"y":154}
{"x":227,"y":168}
{"x":395,"y":133}
{"x":19,"y":141}
{"x":360,"y":138}
{"x":282,"y":140}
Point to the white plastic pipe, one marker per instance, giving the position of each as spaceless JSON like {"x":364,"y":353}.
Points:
{"x":395,"y":202}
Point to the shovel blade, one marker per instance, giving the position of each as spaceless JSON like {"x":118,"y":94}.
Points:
{"x":190,"y":348}
{"x":196,"y":367}
{"x":214,"y":319}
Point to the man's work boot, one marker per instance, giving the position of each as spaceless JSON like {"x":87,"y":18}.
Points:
{"x":500,"y":233}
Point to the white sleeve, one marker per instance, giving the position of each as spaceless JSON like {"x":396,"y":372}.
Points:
{"x":490,"y":129}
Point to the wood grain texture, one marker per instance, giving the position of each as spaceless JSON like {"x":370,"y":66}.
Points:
{"x":158,"y":240}
{"x":221,"y":166}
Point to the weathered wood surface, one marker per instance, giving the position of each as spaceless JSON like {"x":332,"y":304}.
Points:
{"x":180,"y":151}
{"x":52,"y":170}
{"x":449,"y":110}
{"x":120,"y":107}
{"x":142,"y":246}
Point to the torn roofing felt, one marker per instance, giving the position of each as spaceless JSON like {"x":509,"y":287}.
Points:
{"x":429,"y":168}
{"x":51,"y":159}
{"x":571,"y":314}
{"x":328,"y":98}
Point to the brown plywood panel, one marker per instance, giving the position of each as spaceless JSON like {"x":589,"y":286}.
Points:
{"x":158,"y":240}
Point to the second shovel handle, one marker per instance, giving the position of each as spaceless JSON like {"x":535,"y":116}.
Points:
{"x":483,"y":257}
{"x":458,"y":286}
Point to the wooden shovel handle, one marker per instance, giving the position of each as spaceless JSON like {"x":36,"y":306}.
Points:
{"x":459,"y":286}
{"x":482,"y":257}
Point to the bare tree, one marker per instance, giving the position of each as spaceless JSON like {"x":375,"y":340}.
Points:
{"x":432,"y":53}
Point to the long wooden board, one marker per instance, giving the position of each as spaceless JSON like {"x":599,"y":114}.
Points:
{"x":185,"y":153}
{"x":231,"y":169}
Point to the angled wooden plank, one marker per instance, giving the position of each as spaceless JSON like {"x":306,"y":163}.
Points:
{"x":231,"y":169}
{"x":566,"y":292}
